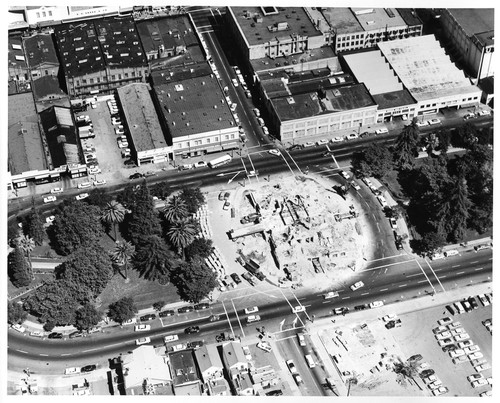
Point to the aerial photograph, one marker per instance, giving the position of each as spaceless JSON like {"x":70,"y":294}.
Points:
{"x":231,"y":200}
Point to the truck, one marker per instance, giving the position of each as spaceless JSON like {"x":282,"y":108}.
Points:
{"x":86,"y":132}
{"x":225,"y":159}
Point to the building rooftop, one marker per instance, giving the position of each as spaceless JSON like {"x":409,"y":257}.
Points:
{"x":143,"y":364}
{"x":79,"y":48}
{"x":377,"y":18}
{"x":16,"y":53}
{"x":474,"y":20}
{"x":47,"y":85}
{"x":208,"y":357}
{"x":342,"y":20}
{"x":371,"y":69}
{"x":25,"y":148}
{"x":140,"y":114}
{"x":393,"y":99}
{"x":424,"y":68}
{"x":120,"y":42}
{"x":264,"y":24}
{"x":337,"y":99}
{"x":183,"y":367}
{"x":233,"y":353}
{"x":192,"y":105}
{"x":40,"y":50}
{"x":409,"y":16}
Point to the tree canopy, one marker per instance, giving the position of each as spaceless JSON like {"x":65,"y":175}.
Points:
{"x":19,"y":270}
{"x":77,"y":224}
{"x":194,"y":280}
{"x":144,"y":220}
{"x":193,"y":197}
{"x":200,"y":247}
{"x":16,"y":313}
{"x":175,"y":210}
{"x":153,"y":259}
{"x":122,"y":310}
{"x":375,"y":160}
{"x":86,"y":317}
{"x":406,"y":147}
{"x":34,"y":225}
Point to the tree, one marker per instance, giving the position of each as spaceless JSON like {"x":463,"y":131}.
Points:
{"x":175,"y":210}
{"x":431,"y":242}
{"x":153,"y":258}
{"x":113,"y":213}
{"x":460,"y":206}
{"x":76,"y":225}
{"x":465,"y":136}
{"x":194,"y":280}
{"x":444,"y":138}
{"x":157,"y":306}
{"x":161,"y":190}
{"x":55,"y":302}
{"x":27,"y":245}
{"x":375,"y":160}
{"x":193,"y":198}
{"x":127,"y":196}
{"x":13,"y":232}
{"x":407,"y":369}
{"x":181,"y":233}
{"x":122,"y":255}
{"x":35,"y":226}
{"x":87,"y":270}
{"x":16,"y":313}
{"x":19,"y":271}
{"x":99,"y":197}
{"x":87,"y":316}
{"x":200,"y":247}
{"x":406,"y":147}
{"x":144,"y":220}
{"x":122,"y":310}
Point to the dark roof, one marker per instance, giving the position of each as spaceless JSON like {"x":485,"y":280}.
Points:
{"x":45,"y":86}
{"x":25,"y":143}
{"x":342,"y":20}
{"x":16,"y":53}
{"x":120,"y":42}
{"x":40,"y":50}
{"x":255,"y":23}
{"x":410,"y":16}
{"x":79,"y":48}
{"x":183,"y":367}
{"x":394,"y":99}
{"x":338,"y":99}
{"x":169,"y":32}
{"x":474,"y":20}
{"x":193,"y":105}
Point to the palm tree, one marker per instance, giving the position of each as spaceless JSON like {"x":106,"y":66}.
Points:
{"x":153,"y":259}
{"x":122,"y":255}
{"x":113,"y":213}
{"x":175,"y":210}
{"x":407,"y":369}
{"x":181,"y":234}
{"x":27,"y":244}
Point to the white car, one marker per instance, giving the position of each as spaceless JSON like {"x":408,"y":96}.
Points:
{"x":265,"y":130}
{"x":94,"y":171}
{"x":367,"y":182}
{"x":179,"y":347}
{"x":18,"y":328}
{"x":382,"y":201}
{"x":393,"y":223}
{"x":460,"y":360}
{"x":484,"y":112}
{"x":456,"y":353}
{"x":298,"y":308}
{"x":49,"y":199}
{"x":72,"y":370}
{"x":247,"y":353}
{"x":462,"y":337}
{"x":445,"y":342}
{"x":170,"y":338}
{"x":298,"y":379}
{"x":435,"y":384}
{"x":444,"y":335}
{"x":479,"y":382}
{"x":119,"y":131}
{"x":322,"y":142}
{"x":482,"y":367}
{"x":99,"y":182}
{"x":261,"y":122}
{"x":445,"y":321}
{"x":454,"y":325}
{"x":355,"y":185}
{"x":302,"y":339}
{"x":376,"y":304}
{"x":337,"y":140}
{"x":123,"y":144}
{"x":130,"y":322}
{"x":142,"y":328}
{"x":383,"y":130}
{"x":440,"y":391}
{"x":457,"y":331}
{"x":422,"y":124}
{"x":264,"y":345}
{"x":56,"y":190}
{"x":344,"y":174}
{"x":84,"y":185}
{"x":308,"y":144}
{"x":331,"y":294}
{"x":357,"y":285}
{"x":351,"y":136}
{"x":254,"y":309}
{"x":466,"y":343}
{"x":475,"y":377}
{"x":81,"y":196}
{"x":143,"y":340}
{"x":388,"y":318}
{"x":233,"y":107}
{"x":475,"y":356}
{"x":256,"y":111}
{"x":472,"y":349}
{"x":117,"y":122}
{"x":439,"y":329}
{"x":253,"y":318}
{"x":434,"y":121}
{"x":275,"y":152}
{"x":200,"y":164}
{"x":291,"y":366}
{"x":37,"y":333}
{"x":235,"y":82}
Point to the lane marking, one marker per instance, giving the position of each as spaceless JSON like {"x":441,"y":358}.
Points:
{"x":413,"y":275}
{"x":24,"y":352}
{"x":238,"y":318}
{"x":345,"y":297}
{"x":460,"y":272}
{"x":384,"y":289}
{"x":457,"y":265}
{"x":479,"y":268}
{"x":227,"y":317}
{"x":92,"y":349}
{"x":477,"y":261}
{"x":44,"y":355}
{"x":63,"y":355}
{"x":427,"y":278}
{"x":402,"y":285}
{"x":435,"y":275}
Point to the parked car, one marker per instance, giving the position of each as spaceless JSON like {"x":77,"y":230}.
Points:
{"x":298,"y":308}
{"x":149,"y":316}
{"x":264,"y":345}
{"x":192,"y":329}
{"x":301,"y":339}
{"x":449,"y":347}
{"x":357,"y":285}
{"x":170,"y":338}
{"x":99,"y":182}
{"x":291,"y":367}
{"x":440,"y":391}
{"x":195,"y":344}
{"x":56,"y":190}
{"x":136,"y":175}
{"x":55,"y":335}
{"x":351,"y":136}
{"x":376,"y":304}
{"x":274,"y":152}
{"x":81,"y":196}
{"x":201,"y":306}
{"x":415,"y":357}
{"x":445,"y":342}
{"x":344,"y":174}
{"x":72,"y":370}
{"x":75,"y":335}
{"x":142,"y":328}
{"x":18,"y":328}
{"x":49,"y":199}
{"x":89,"y":368}
{"x":179,"y":347}
{"x":236,"y":278}
{"x":143,"y":340}
{"x":253,"y":318}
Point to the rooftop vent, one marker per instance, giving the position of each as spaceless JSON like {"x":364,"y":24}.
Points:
{"x":290,"y":100}
{"x":179,"y":87}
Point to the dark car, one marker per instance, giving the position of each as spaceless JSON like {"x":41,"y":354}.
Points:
{"x":449,"y":347}
{"x":129,"y":162}
{"x":169,"y":312}
{"x":184,"y":309}
{"x":295,"y":147}
{"x":74,"y":335}
{"x":201,"y":306}
{"x":248,"y":277}
{"x":275,"y":393}
{"x":361,"y":307}
{"x":195,"y":344}
{"x":137,"y":175}
{"x":416,"y":357}
{"x":393,"y":323}
{"x":89,"y":368}
{"x":55,"y":335}
{"x":236,"y":278}
{"x":192,"y":329}
{"x":149,"y":316}
{"x":473,"y":303}
{"x":260,"y":275}
{"x":427,"y":372}
{"x":450,"y":309}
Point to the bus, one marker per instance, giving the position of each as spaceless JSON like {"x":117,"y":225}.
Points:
{"x":225,"y":159}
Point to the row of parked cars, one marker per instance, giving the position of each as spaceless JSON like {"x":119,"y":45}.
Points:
{"x":469,"y":304}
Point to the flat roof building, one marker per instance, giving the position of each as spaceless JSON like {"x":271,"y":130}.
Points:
{"x":185,"y":377}
{"x":148,"y":140}
{"x":18,"y":67}
{"x":194,"y":110}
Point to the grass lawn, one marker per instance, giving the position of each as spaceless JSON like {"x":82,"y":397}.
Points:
{"x":144,"y":292}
